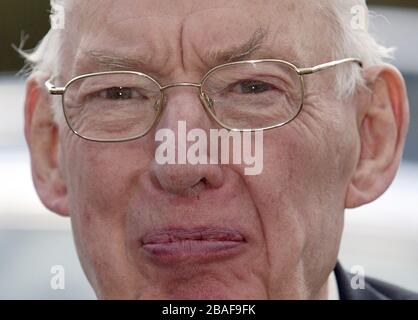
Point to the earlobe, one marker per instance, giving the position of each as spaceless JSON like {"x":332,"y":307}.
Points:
{"x":41,"y":133}
{"x":383,"y":119}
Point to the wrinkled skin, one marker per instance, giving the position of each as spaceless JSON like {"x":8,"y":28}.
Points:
{"x":335,"y":155}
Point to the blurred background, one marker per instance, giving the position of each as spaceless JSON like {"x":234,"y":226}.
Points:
{"x":381,"y":237}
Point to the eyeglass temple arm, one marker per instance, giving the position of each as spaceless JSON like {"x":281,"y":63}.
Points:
{"x":53,"y":89}
{"x":320,"y":67}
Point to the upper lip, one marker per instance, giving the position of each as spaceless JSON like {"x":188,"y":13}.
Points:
{"x":182,"y":234}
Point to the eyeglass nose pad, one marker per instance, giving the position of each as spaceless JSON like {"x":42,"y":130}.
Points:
{"x":206,"y":100}
{"x":159,"y":103}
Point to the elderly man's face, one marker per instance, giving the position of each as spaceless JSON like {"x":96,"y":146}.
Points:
{"x":278,"y":232}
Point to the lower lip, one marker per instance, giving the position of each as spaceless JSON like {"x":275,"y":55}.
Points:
{"x":193,"y":250}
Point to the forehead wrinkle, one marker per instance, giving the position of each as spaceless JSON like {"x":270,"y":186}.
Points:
{"x":269,"y":40}
{"x":256,"y":44}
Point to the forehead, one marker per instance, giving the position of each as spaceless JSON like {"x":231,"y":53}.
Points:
{"x":110,"y":9}
{"x":159,"y":31}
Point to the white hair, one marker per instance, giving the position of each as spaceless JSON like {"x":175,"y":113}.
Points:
{"x":43,"y":57}
{"x":350,"y":41}
{"x":353,"y":39}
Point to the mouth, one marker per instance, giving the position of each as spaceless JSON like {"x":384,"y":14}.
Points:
{"x":203,"y":244}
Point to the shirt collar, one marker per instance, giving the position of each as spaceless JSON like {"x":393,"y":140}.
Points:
{"x":333,"y":293}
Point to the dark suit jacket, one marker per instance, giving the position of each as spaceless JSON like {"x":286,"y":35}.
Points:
{"x":374,"y":289}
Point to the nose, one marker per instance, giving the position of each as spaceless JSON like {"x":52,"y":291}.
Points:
{"x":184,"y":116}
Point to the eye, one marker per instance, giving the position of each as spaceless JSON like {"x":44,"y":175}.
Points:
{"x":253,"y":87}
{"x":119,"y":93}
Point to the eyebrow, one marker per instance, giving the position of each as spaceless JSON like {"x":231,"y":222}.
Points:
{"x":238,"y":53}
{"x":111,"y":62}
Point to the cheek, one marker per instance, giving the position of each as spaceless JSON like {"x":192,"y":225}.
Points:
{"x":103,"y":175}
{"x":300,"y":194}
{"x":100,"y":181}
{"x":300,"y":170}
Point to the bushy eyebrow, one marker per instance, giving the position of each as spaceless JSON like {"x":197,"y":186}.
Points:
{"x":114,"y":62}
{"x":241,"y":52}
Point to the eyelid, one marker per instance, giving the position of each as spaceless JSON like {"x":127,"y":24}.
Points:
{"x":257,"y":82}
{"x":272,"y":85}
{"x":262,"y":78}
{"x":135,"y":92}
{"x":94,"y":85}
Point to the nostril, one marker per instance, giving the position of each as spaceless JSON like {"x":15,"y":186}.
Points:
{"x":179,"y":179}
{"x":196,"y":189}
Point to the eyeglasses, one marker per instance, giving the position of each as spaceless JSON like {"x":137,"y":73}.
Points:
{"x":251,"y":95}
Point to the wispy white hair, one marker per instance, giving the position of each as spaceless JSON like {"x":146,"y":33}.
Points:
{"x":348,"y":42}
{"x":353,"y":41}
{"x":43,"y":59}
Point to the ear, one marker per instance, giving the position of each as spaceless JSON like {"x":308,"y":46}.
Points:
{"x":41,"y":133}
{"x":383,"y":119}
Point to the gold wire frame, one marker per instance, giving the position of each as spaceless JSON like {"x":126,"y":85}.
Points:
{"x":204,"y":98}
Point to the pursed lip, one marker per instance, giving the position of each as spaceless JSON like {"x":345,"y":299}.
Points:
{"x":203,"y":244}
